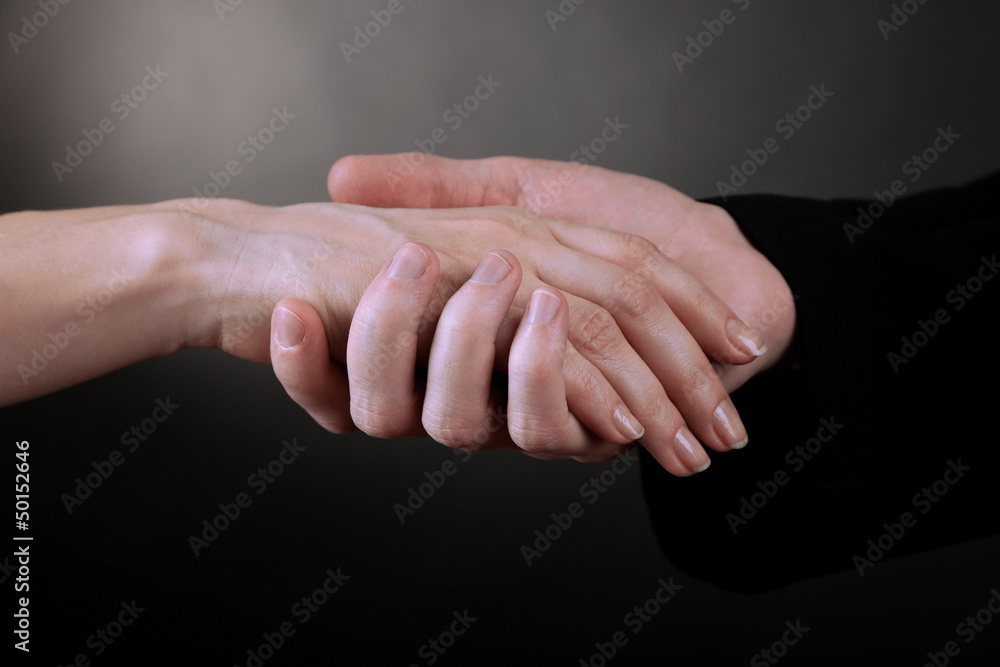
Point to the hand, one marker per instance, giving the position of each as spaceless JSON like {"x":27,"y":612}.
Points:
{"x":92,"y":290}
{"x":676,"y":355}
{"x":701,"y":238}
{"x":461,"y":404}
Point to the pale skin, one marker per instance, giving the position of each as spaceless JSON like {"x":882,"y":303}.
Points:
{"x":89,"y":291}
{"x":701,"y":238}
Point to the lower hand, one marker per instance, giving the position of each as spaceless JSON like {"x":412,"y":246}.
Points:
{"x":600,"y":355}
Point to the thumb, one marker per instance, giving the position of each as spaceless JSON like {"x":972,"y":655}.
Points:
{"x":568,"y":191}
{"x":417,"y":180}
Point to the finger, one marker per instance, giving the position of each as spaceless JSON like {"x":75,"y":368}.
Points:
{"x":301,"y":360}
{"x":713,"y":324}
{"x":416,"y":180}
{"x":458,"y":410}
{"x":538,"y":417}
{"x":382,"y":344}
{"x":561,"y":190}
{"x":596,"y":335}
{"x":592,"y":398}
{"x":659,"y":338}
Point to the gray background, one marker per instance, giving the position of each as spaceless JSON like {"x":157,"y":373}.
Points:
{"x":333,"y":507}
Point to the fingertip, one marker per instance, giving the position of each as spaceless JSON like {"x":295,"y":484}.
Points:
{"x":297,"y":333}
{"x":287,"y":329}
{"x":340,"y":174}
{"x":301,"y":362}
{"x":690,"y":452}
{"x":628,"y":425}
{"x":544,"y":306}
{"x":745,"y":340}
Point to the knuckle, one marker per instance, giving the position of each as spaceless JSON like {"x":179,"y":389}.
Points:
{"x":699,"y":386}
{"x":640,"y":253}
{"x":587,"y":384}
{"x":471,"y":437}
{"x":595,"y":333}
{"x":540,"y":439}
{"x":337,"y":424}
{"x":635,"y":297}
{"x":378,"y":427}
{"x":703,"y":302}
{"x":378,"y":422}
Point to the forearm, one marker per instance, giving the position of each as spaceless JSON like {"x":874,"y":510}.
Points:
{"x":88,"y":291}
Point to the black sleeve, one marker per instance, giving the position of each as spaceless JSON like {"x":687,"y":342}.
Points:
{"x":898,"y":314}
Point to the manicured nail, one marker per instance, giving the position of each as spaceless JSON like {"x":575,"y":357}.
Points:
{"x":543,"y":307}
{"x":691,"y":454}
{"x":289,"y":330}
{"x":729,"y":426}
{"x":628,"y":425}
{"x":409,"y":263}
{"x":491,"y":271}
{"x":745,"y":338}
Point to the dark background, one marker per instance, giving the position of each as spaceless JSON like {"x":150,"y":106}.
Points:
{"x":333,"y":507}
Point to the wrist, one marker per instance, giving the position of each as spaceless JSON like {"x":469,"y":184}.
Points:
{"x":241,"y":259}
{"x":200,"y":249}
{"x":177,"y":274}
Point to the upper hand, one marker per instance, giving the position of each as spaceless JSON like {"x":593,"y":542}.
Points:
{"x":701,"y":238}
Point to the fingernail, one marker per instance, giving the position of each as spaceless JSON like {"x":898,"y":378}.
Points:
{"x":491,"y":270}
{"x":289,"y":330}
{"x":409,"y":263}
{"x":729,"y":426}
{"x":745,"y":338}
{"x":543,"y":307}
{"x":691,"y":455}
{"x":628,"y":425}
